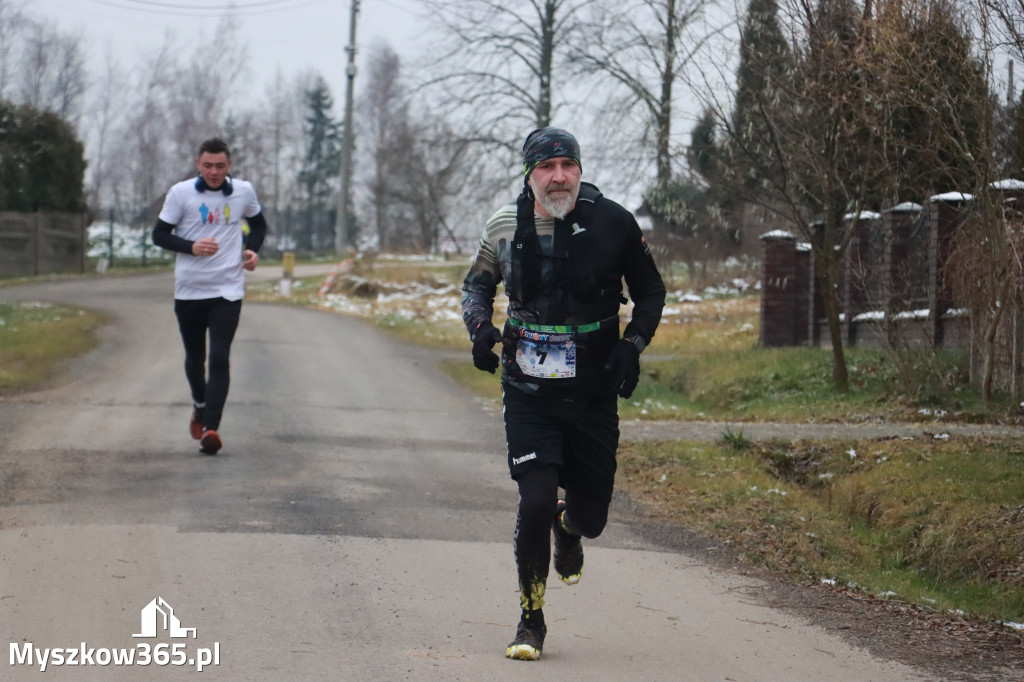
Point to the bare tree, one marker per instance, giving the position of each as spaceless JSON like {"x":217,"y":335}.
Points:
{"x":12,"y":22}
{"x":151,"y":120}
{"x":106,"y":111}
{"x":438,"y":163}
{"x":498,"y":64}
{"x":988,"y":252}
{"x":645,"y":48}
{"x":201,"y":94}
{"x":839,"y":131}
{"x":267,"y":144}
{"x":1006,"y":21}
{"x":285,"y":129}
{"x":69,"y":79}
{"x":385,"y":123}
{"x":149,"y":166}
{"x":34,"y":67}
{"x":52,"y":70}
{"x":413,"y":164}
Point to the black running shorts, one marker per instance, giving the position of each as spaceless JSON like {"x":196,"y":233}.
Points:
{"x":579,"y":437}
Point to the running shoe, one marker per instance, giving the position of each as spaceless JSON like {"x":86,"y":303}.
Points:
{"x":529,"y":639}
{"x":195,"y":425}
{"x":568,"y":550}
{"x":210,"y":443}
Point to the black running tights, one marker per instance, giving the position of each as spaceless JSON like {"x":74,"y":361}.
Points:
{"x":220,"y":317}
{"x":538,"y":497}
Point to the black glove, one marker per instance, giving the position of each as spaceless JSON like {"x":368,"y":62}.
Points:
{"x":483,"y":357}
{"x":624,"y":366}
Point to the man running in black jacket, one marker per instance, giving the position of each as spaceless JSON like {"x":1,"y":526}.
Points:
{"x":562,"y":251}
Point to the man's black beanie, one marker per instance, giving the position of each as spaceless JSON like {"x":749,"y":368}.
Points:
{"x":548,"y":143}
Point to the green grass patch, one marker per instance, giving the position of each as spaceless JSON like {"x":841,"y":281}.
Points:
{"x":481,"y":384}
{"x":35,"y":338}
{"x":795,"y":384}
{"x":428,"y":333}
{"x":934,"y":522}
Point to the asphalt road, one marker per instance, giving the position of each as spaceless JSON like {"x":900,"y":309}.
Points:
{"x":356,"y":526}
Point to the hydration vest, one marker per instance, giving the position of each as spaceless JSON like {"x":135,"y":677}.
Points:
{"x":571,"y":270}
{"x":565,"y":294}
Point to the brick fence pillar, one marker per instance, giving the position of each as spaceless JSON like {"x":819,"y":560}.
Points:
{"x":945,"y":216}
{"x":778,"y":290}
{"x":803,"y":325}
{"x":859,"y":271}
{"x":897,"y":222}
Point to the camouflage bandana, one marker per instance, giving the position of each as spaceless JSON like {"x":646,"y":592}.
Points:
{"x":548,"y":143}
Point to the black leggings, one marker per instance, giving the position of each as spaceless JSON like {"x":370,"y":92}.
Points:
{"x":219,"y":316}
{"x":538,"y":497}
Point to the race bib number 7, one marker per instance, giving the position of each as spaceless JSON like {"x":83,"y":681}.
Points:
{"x":548,"y":356}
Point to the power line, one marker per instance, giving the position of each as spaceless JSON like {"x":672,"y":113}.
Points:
{"x":207,"y":6}
{"x":181,"y":9}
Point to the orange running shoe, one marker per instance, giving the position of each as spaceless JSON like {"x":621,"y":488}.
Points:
{"x":210,"y":443}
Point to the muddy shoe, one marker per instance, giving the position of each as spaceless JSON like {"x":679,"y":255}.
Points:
{"x":568,"y":550}
{"x":210,"y":443}
{"x":529,"y":639}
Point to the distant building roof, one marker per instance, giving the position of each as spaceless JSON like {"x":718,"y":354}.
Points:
{"x":863,"y":215}
{"x":906,"y":207}
{"x":777,"y":234}
{"x":951,"y":196}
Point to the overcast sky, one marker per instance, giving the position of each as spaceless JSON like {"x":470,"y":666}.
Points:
{"x":292,"y":36}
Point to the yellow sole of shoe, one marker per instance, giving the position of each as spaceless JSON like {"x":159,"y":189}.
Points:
{"x":571,"y":579}
{"x":522,"y":652}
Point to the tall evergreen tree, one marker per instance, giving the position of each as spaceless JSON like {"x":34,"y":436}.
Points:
{"x":321,"y":163}
{"x":42,"y":161}
{"x":945,"y":119}
{"x":765,"y":63}
{"x":703,"y":153}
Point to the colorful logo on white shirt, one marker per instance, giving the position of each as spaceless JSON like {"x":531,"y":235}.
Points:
{"x":213,"y":217}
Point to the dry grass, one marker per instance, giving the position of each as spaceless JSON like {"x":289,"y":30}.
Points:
{"x":934,"y":522}
{"x":36,"y":338}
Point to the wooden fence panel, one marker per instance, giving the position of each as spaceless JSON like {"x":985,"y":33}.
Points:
{"x":41,"y":243}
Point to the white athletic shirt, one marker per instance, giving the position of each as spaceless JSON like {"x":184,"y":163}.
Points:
{"x":198,"y":214}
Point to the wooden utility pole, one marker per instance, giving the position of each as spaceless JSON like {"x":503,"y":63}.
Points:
{"x":343,"y":233}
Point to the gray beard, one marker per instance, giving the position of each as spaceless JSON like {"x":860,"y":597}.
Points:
{"x":558,"y":208}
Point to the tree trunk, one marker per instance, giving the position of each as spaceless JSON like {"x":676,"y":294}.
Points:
{"x":547,"y":49}
{"x":989,"y":345}
{"x":664,"y":116}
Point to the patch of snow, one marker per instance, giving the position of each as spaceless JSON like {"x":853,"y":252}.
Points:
{"x":776,"y":234}
{"x":863,"y":215}
{"x":906,"y":207}
{"x":1007,"y":184}
{"x":124,"y":240}
{"x":913,"y":315}
{"x":950,"y":196}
